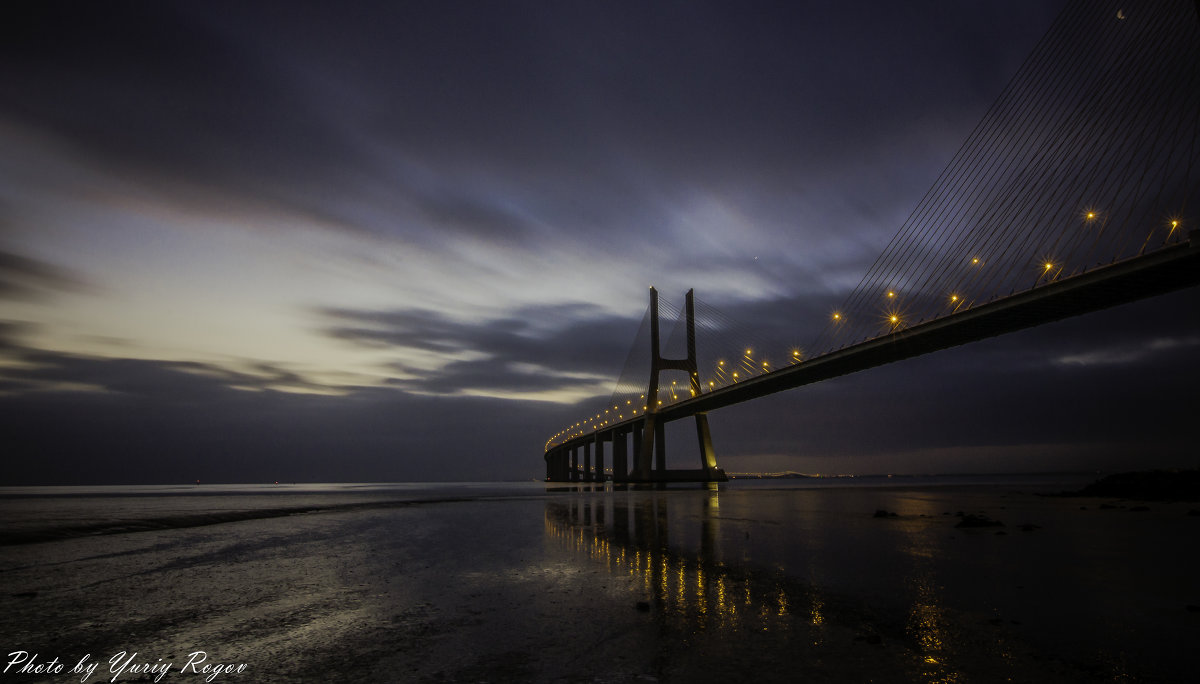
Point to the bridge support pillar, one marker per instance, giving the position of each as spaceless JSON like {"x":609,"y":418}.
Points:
{"x":587,"y":461}
{"x":599,"y":476}
{"x":650,"y":448}
{"x":574,"y":464}
{"x":620,"y":456}
{"x":708,"y":456}
{"x":660,"y":450}
{"x":643,"y":454}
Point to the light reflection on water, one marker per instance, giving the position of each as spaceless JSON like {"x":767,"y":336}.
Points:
{"x":634,"y":536}
{"x":703,"y":575}
{"x":1098,"y":593}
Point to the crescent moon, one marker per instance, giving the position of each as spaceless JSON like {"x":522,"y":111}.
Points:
{"x":1120,"y":14}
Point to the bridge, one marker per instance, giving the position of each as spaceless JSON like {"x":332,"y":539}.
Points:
{"x":1076,"y":192}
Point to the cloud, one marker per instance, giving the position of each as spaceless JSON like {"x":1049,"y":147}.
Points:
{"x":536,"y":350}
{"x":503,"y":123}
{"x":22,"y":277}
{"x":11,"y":332}
{"x":1128,"y":353}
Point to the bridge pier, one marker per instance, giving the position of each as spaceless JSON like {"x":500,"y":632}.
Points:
{"x":599,"y":475}
{"x":708,"y":456}
{"x":660,"y":449}
{"x":587,"y":461}
{"x":620,"y":465}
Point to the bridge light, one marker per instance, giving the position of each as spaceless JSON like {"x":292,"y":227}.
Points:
{"x":1090,"y":215}
{"x":975,"y":261}
{"x":954,"y":298}
{"x":837,"y":316}
{"x":764,"y":364}
{"x":894,"y":319}
{"x":720,"y":363}
{"x":891,"y":294}
{"x":1048,"y":265}
{"x":747,"y":352}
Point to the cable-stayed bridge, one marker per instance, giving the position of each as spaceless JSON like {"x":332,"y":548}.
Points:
{"x":1077,"y":191}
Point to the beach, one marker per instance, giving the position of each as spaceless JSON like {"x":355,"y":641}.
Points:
{"x":764,"y":580}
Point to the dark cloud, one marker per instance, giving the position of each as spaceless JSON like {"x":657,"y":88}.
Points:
{"x":487,"y":376}
{"x":11,"y":332}
{"x":183,"y":427}
{"x":22,"y":277}
{"x":42,"y":369}
{"x":536,"y":348}
{"x":582,"y":116}
{"x":69,"y":419}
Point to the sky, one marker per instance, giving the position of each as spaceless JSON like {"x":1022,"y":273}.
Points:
{"x":409,"y":241}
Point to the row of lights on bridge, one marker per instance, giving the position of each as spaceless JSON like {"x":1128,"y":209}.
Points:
{"x":616,"y":414}
{"x":892,"y":317}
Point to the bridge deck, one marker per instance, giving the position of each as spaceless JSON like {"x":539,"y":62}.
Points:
{"x":1166,"y":270}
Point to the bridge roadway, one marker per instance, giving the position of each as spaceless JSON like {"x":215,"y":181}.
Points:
{"x":1162,"y":271}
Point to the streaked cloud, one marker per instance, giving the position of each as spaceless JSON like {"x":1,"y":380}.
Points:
{"x":22,"y":277}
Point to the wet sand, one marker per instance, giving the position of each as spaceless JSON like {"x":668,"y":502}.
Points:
{"x":748,"y":582}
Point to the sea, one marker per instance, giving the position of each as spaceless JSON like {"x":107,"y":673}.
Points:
{"x":968,"y":578}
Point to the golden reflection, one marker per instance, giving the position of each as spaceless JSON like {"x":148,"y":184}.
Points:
{"x":688,"y":585}
{"x":927,"y":626}
{"x":927,"y":623}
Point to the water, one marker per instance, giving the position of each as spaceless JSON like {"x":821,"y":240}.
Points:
{"x":32,"y":514}
{"x":774,"y":579}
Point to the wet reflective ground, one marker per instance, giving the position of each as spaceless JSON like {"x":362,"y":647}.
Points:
{"x":768,"y":583}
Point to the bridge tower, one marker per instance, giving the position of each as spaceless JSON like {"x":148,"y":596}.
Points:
{"x":650,"y":442}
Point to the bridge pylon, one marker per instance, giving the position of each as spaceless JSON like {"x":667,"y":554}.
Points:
{"x":650,"y":443}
